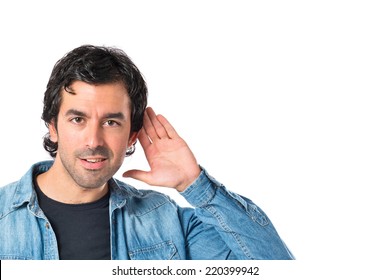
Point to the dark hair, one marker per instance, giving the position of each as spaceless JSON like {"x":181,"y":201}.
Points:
{"x":94,"y":65}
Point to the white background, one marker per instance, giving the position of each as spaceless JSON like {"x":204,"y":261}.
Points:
{"x":272,"y":97}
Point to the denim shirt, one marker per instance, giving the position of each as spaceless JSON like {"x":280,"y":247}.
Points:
{"x":146,"y":224}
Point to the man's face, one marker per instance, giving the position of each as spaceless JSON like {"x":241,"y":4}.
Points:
{"x":93,"y":133}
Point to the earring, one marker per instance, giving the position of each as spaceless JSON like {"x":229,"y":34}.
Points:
{"x":130,"y":150}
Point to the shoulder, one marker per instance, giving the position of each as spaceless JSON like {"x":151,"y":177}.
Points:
{"x":140,"y":201}
{"x":16,"y":194}
{"x":7,"y":197}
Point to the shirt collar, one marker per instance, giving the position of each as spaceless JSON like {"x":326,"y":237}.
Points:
{"x":24,"y":191}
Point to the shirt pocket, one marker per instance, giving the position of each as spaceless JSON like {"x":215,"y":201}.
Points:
{"x":161,"y":251}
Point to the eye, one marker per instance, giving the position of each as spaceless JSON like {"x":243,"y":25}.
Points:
{"x":77,"y":120}
{"x":111,"y":123}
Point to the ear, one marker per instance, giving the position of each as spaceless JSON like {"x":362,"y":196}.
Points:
{"x":53,"y":132}
{"x":132,"y":138}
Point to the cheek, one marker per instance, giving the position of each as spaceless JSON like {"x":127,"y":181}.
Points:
{"x":69,"y":138}
{"x":118,"y":145}
{"x":68,"y":143}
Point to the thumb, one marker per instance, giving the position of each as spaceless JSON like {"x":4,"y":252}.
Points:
{"x":137,"y":174}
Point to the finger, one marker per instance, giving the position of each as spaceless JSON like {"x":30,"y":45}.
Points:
{"x":140,"y":175}
{"x":149,"y":127}
{"x":144,"y":139}
{"x":158,"y":126}
{"x":171,"y":132}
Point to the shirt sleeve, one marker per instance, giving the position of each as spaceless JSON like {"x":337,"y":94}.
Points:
{"x":242,"y":226}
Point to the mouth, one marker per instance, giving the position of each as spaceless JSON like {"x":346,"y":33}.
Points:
{"x":94,"y":160}
{"x":93,"y":163}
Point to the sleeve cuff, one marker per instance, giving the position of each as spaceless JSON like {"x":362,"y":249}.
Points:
{"x":202,"y":190}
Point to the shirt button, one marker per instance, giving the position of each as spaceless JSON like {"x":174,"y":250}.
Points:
{"x":47,"y":225}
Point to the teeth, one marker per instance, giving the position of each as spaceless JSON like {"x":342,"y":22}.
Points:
{"x":94,"y":160}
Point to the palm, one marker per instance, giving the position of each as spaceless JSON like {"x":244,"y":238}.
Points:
{"x":171,"y":161}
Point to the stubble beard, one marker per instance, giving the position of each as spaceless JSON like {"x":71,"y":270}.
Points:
{"x":86,"y":178}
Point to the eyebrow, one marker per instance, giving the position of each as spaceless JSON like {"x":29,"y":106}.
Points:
{"x":118,"y":116}
{"x":74,"y":112}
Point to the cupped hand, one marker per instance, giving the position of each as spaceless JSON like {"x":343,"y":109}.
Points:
{"x":172,"y":163}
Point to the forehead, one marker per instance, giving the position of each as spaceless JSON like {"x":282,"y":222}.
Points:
{"x":105,"y":97}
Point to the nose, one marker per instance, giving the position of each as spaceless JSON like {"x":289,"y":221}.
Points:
{"x":94,"y":135}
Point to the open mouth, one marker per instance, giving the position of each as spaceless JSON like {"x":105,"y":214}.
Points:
{"x":93,"y":163}
{"x":94,"y":160}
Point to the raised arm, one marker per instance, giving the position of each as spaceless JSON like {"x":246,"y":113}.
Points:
{"x":231,"y":225}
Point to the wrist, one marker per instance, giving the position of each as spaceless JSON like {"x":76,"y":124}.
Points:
{"x":190,"y":179}
{"x":202,"y":191}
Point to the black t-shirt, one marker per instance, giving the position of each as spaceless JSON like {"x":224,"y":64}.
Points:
{"x":82,"y":230}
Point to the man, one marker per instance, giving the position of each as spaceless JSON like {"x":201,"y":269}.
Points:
{"x":72,"y":208}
